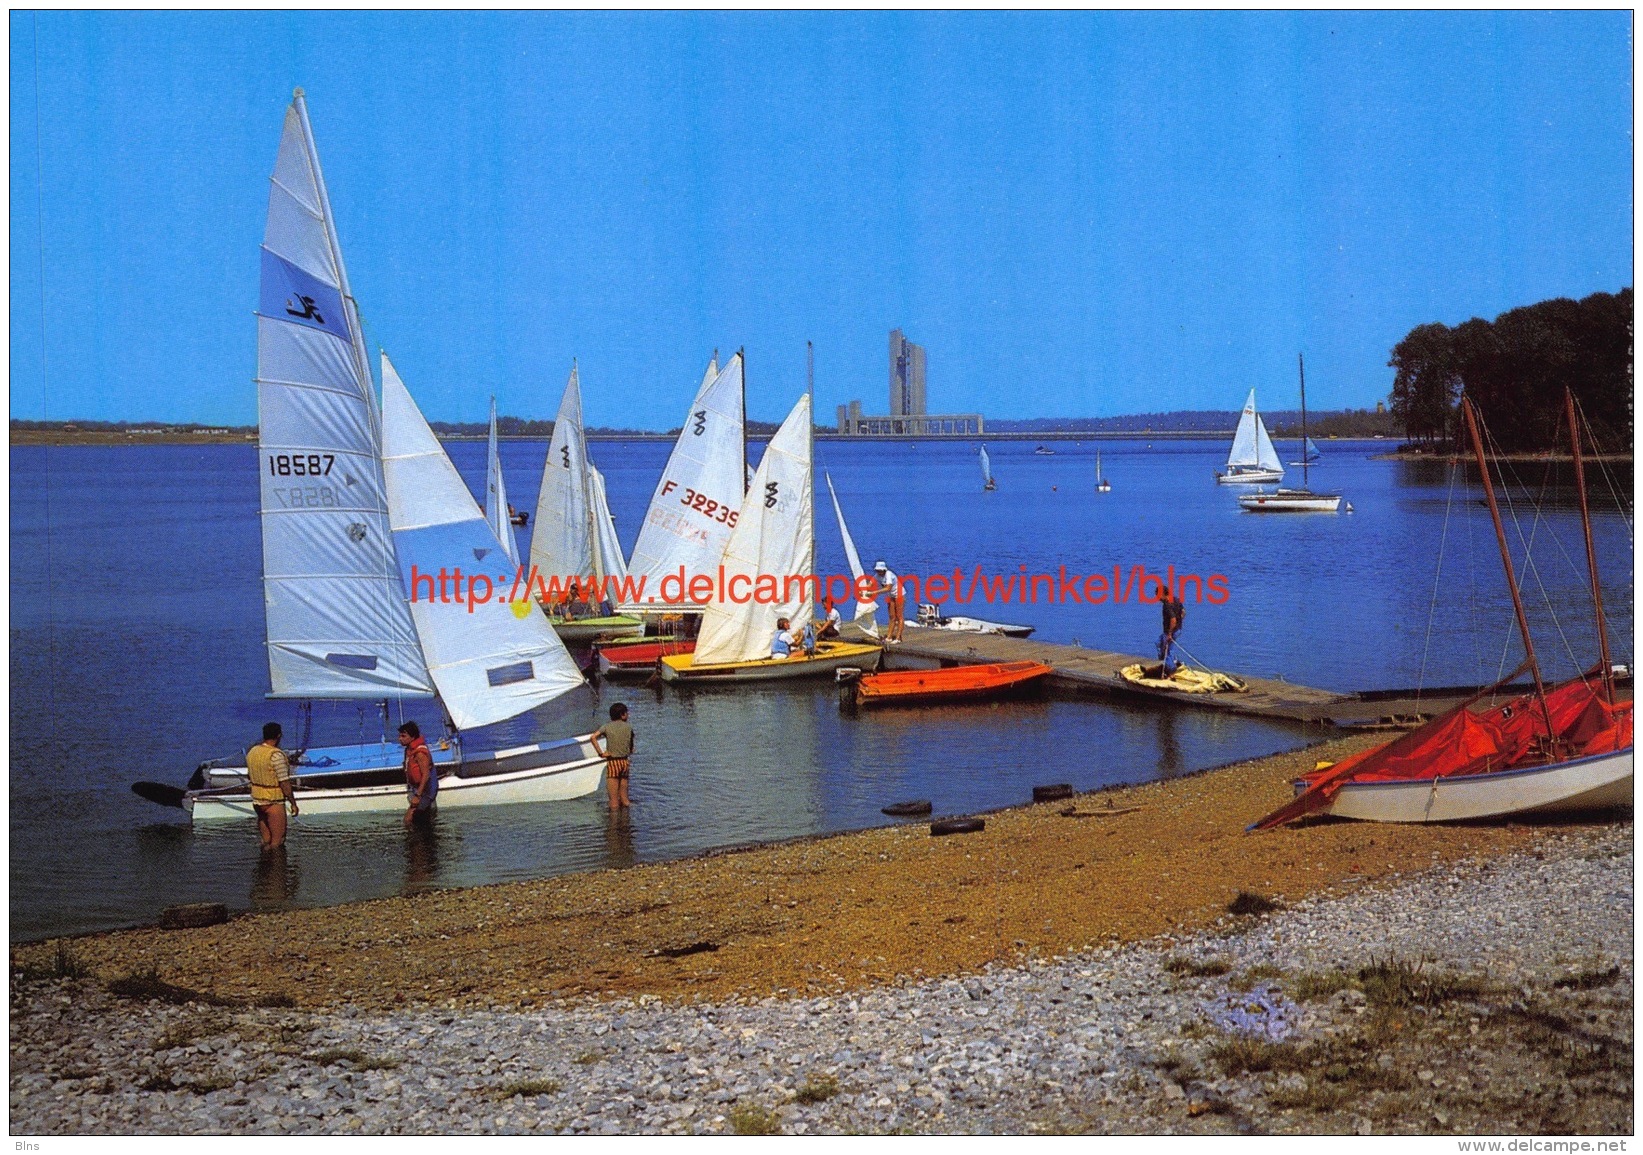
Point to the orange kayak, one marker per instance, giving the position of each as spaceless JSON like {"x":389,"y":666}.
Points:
{"x":958,"y":684}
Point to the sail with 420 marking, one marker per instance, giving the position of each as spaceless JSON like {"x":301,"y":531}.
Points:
{"x":338,"y":626}
{"x":699,"y":495}
{"x":491,"y":658}
{"x":774,"y":540}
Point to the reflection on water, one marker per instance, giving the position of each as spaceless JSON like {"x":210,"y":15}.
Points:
{"x":172,"y":669}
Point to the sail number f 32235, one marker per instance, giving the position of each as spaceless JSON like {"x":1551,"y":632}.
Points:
{"x":703,"y":504}
{"x":300,"y":464}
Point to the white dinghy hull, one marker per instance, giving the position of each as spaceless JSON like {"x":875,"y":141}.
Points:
{"x":1291,"y":501}
{"x":1597,"y":782}
{"x":547,"y":772}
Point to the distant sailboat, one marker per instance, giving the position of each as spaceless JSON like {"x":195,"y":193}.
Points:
{"x":1102,"y":485}
{"x":1309,"y":453}
{"x":987,"y":483}
{"x":498,"y":513}
{"x":1301,"y":500}
{"x":1253,"y":460}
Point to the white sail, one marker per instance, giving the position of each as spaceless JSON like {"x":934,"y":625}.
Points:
{"x":986,"y":466}
{"x":607,"y":561}
{"x":774,"y":538}
{"x":488,"y":661}
{"x":1265,"y":455}
{"x":496,"y":497}
{"x":699,"y":494}
{"x":1243,"y":441}
{"x":864,"y":609}
{"x":562,"y":537}
{"x":338,"y":626}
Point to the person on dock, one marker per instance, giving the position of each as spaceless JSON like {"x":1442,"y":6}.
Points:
{"x":831,"y":621}
{"x":272,"y":792}
{"x":617,"y":751}
{"x":894,"y":604}
{"x":1175,"y":612}
{"x":421,"y":779}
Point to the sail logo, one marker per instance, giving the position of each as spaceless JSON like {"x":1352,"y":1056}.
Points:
{"x":295,"y":296}
{"x":357,"y":531}
{"x":307,"y":312}
{"x":771,"y":494}
{"x":701,"y":422}
{"x":479,"y":553}
{"x":564,"y":455}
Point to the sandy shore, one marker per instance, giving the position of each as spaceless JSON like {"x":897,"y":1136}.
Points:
{"x":818,"y":916}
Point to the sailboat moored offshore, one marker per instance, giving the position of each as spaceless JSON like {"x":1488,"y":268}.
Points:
{"x":355,"y":501}
{"x":1253,"y":460}
{"x":1301,"y":500}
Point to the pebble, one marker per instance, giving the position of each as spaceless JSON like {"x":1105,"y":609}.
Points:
{"x":1077,"y":1043}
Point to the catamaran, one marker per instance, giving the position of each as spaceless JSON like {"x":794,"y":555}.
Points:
{"x":1556,"y":750}
{"x":1301,"y":500}
{"x":356,"y":501}
{"x":1253,"y":460}
{"x":774,"y":538}
{"x":574,"y":536}
{"x":987,"y":483}
{"x":698,"y":498}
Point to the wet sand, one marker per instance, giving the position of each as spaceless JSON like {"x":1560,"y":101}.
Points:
{"x":820,"y":915}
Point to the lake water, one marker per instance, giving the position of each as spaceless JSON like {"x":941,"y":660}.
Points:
{"x":137,"y":651}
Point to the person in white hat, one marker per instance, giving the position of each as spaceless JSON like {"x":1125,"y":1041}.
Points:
{"x":890,"y":585}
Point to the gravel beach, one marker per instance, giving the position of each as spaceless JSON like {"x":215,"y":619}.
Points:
{"x":1487,"y":994}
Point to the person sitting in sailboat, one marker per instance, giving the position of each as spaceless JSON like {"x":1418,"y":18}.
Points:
{"x":831,"y":621}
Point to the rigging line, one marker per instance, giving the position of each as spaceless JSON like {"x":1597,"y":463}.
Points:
{"x":1437,"y":580}
{"x":1529,"y":567}
{"x":1608,"y":478}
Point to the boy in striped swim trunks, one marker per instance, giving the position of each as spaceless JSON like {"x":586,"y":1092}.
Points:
{"x":616,"y":750}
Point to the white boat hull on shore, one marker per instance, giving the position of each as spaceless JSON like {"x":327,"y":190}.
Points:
{"x":1597,"y":782}
{"x":546,"y":772}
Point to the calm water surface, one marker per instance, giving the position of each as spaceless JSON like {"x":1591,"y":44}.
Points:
{"x":137,"y":650}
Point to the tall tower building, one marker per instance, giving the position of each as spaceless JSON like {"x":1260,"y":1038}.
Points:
{"x":906,"y":377}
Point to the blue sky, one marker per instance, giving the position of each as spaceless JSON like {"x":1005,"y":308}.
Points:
{"x":1077,"y":214}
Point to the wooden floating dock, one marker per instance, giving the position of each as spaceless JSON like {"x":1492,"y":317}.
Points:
{"x":1096,"y":672}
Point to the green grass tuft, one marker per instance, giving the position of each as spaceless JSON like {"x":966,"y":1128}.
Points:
{"x":528,"y":1087}
{"x":818,"y":1089}
{"x":1196,"y":968}
{"x":753,"y":1119}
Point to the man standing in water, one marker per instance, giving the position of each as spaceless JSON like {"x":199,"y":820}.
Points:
{"x":271,"y":790}
{"x":617,"y":751}
{"x":421,"y":779}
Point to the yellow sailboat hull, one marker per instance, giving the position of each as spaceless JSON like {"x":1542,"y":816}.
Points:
{"x":829,"y":656}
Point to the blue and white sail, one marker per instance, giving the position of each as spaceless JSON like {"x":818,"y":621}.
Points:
{"x":497,"y":509}
{"x":338,"y":626}
{"x":490,"y":653}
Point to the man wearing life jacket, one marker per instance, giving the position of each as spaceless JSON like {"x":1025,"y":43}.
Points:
{"x":271,"y":789}
{"x":421,"y":779}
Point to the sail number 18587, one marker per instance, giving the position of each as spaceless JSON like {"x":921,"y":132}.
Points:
{"x":300,"y":464}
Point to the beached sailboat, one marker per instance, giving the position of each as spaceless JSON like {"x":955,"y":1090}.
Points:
{"x":497,"y":509}
{"x":1252,"y":460}
{"x":987,"y":483}
{"x":1301,"y":500}
{"x":352,"y":498}
{"x":1102,"y":485}
{"x":865,"y":617}
{"x":566,"y":542}
{"x":773,"y":543}
{"x":698,"y":497}
{"x":1567,"y":748}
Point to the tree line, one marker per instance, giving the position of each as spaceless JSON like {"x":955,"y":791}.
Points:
{"x":1515,"y":368}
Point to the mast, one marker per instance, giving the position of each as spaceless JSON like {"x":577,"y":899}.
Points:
{"x":1301,"y":357}
{"x":1467,"y":409}
{"x":1591,"y":551}
{"x":742,"y":353}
